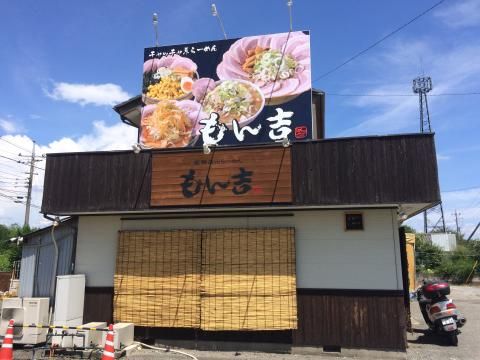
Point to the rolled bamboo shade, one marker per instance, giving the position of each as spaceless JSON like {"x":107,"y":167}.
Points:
{"x":157,"y":278}
{"x":248,"y":279}
{"x":226,"y":279}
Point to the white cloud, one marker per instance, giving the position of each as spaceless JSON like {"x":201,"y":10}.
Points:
{"x":102,"y":137}
{"x":460,"y":13}
{"x":83,"y":94}
{"x":8,"y":126}
{"x":441,"y":157}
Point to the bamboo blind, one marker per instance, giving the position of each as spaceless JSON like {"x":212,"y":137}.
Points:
{"x":248,"y":279}
{"x":157,"y":278}
{"x":228,"y":279}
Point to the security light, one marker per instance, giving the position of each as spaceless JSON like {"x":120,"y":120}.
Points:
{"x":155,"y":27}
{"x":136,"y":148}
{"x":206,"y":149}
{"x":285,"y":142}
{"x":214,"y":10}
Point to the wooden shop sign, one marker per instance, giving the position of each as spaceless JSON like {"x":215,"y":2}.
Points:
{"x":223,"y":177}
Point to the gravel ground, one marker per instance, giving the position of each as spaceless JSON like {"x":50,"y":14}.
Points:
{"x":422,"y":344}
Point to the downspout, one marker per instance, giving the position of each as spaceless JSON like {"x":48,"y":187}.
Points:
{"x":55,"y":263}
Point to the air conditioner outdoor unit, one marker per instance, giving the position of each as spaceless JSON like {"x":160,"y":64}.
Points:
{"x":88,"y":337}
{"x":26,"y":311}
{"x":12,"y":308}
{"x":123,"y":335}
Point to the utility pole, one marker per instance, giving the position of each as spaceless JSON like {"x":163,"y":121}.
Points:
{"x":457,"y":214}
{"x":29,"y":193}
{"x":474,"y":231}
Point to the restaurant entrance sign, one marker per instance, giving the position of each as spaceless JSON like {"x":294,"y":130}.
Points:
{"x":255,"y":89}
{"x":246,"y":176}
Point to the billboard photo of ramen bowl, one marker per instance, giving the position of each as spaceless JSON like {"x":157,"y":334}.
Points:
{"x":251,"y":90}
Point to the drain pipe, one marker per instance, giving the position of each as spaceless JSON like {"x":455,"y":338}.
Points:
{"x":56,"y":222}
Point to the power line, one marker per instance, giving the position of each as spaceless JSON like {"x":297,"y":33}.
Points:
{"x":21,"y":162}
{"x":18,"y":146}
{"x":401,"y":95}
{"x":8,"y":173}
{"x":13,"y":191}
{"x":17,"y":201}
{"x":378,"y":41}
{"x":9,"y":158}
{"x":463,"y":189}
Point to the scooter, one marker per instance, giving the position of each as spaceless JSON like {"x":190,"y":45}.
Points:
{"x":439,"y":312}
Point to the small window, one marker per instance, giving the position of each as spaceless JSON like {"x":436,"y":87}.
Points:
{"x":354,"y":221}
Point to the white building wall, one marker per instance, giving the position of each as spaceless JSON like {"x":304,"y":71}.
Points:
{"x":328,"y":257}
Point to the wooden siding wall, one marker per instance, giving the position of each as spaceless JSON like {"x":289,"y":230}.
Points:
{"x":345,"y":318}
{"x":368,"y":171}
{"x":5,"y":277}
{"x":98,"y":181}
{"x":351,"y":319}
{"x":98,"y":305}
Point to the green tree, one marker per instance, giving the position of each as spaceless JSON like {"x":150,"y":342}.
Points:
{"x":428,"y":256}
{"x":409,"y":229}
{"x":10,"y":251}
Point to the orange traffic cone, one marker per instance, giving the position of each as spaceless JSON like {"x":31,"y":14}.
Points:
{"x":109,"y":349}
{"x":6,"y":352}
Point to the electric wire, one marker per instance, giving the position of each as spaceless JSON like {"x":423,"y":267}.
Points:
{"x":18,"y":201}
{"x":378,"y":41}
{"x":7,"y":172}
{"x":22,"y":162}
{"x":18,"y":146}
{"x":400,"y":95}
{"x":11,"y":159}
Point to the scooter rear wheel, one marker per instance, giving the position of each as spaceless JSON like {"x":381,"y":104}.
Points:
{"x":453,"y":339}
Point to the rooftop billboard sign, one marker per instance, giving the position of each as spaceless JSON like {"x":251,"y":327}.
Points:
{"x":251,"y":90}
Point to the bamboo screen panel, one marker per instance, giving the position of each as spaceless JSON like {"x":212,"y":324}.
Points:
{"x":248,"y":279}
{"x":157,"y":278}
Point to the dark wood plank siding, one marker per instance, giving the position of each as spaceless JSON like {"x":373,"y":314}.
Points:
{"x":98,"y":304}
{"x":5,"y":277}
{"x":360,"y":171}
{"x":372,"y":319}
{"x":92,"y":182}
{"x":350,"y":319}
{"x":369,"y":170}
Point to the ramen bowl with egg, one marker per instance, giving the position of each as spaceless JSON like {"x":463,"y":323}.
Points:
{"x":170,"y":123}
{"x":168,"y":78}
{"x":232,"y":100}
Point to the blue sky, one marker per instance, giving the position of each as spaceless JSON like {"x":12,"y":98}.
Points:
{"x":64,"y":64}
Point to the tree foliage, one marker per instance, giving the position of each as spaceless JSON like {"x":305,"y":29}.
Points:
{"x":428,"y":256}
{"x":10,"y":251}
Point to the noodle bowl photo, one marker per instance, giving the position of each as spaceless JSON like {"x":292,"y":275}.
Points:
{"x":231,"y":99}
{"x":278,"y":64}
{"x":168,"y":78}
{"x":169,"y":124}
